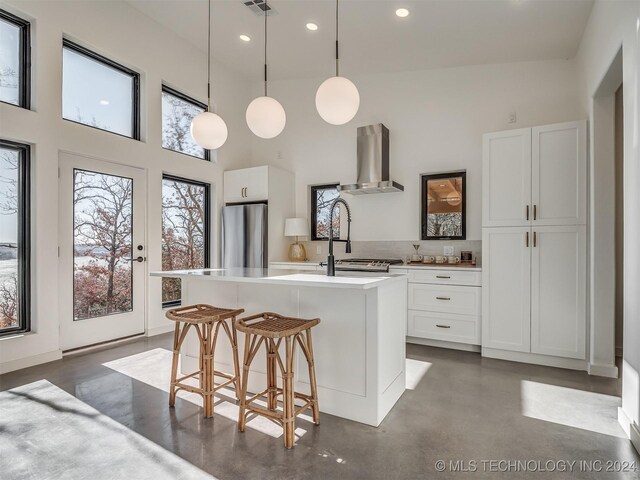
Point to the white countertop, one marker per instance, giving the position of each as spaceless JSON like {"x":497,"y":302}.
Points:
{"x":285,"y":277}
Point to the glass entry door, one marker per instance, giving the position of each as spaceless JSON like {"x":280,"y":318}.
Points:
{"x":102,"y":251}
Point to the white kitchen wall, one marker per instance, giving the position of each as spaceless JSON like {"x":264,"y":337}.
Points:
{"x":125,"y":35}
{"x":613,"y":25}
{"x":436,"y":120}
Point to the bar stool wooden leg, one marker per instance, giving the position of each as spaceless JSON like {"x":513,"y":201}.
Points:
{"x":174,"y":365}
{"x":242,"y":419}
{"x":207,"y":369}
{"x":288,"y":394}
{"x":312,"y":378}
{"x":272,"y":375}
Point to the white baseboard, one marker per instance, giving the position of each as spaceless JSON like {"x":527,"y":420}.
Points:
{"x":535,"y":359}
{"x":600,"y":370}
{"x":27,"y":362}
{"x":624,"y":421}
{"x":442,"y":344}
{"x":152,"y":332}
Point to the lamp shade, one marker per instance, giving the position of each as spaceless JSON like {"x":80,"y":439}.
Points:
{"x":266,"y":117}
{"x":296,"y":227}
{"x":209,"y":130}
{"x":337,"y":100}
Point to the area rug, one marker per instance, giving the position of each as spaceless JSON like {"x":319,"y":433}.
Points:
{"x":47,"y":434}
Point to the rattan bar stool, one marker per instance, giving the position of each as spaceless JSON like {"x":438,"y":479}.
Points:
{"x":206,"y":321}
{"x":271,"y":329}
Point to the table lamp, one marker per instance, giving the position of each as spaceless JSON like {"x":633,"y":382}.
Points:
{"x":296,"y":227}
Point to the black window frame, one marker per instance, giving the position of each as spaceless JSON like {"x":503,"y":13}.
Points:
{"x":193,"y":101}
{"x":24,"y":238}
{"x":314,"y":211}
{"x":135,"y":76}
{"x":207,"y":224}
{"x":424,"y":180}
{"x":24,"y":94}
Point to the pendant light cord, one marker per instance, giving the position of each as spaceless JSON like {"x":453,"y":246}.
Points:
{"x":209,"y":61}
{"x":337,"y":49}
{"x":266,"y":7}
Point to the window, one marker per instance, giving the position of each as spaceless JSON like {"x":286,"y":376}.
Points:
{"x":444,"y":206}
{"x":102,"y":243}
{"x":15,"y":59}
{"x":185,"y":231}
{"x":177,"y":112}
{"x":99,"y":92}
{"x":322,"y":196}
{"x":14,"y":238}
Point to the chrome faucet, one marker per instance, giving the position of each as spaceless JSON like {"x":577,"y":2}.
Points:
{"x":331,"y":264}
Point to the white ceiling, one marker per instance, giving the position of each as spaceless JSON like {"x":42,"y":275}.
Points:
{"x":438,"y":33}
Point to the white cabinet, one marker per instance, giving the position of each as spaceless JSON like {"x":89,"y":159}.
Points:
{"x":246,"y":185}
{"x":558,"y":291}
{"x":444,"y":305}
{"x":506,"y":293}
{"x":559,"y":174}
{"x":534,"y":263}
{"x":535,"y":176}
{"x":506,"y":178}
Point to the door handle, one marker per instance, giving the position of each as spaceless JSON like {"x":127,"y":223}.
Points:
{"x":136,"y":259}
{"x":527,"y":212}
{"x":526,"y":241}
{"x":535,"y":211}
{"x":534,"y":239}
{"x":443,"y":326}
{"x":443,"y":276}
{"x":443,"y":298}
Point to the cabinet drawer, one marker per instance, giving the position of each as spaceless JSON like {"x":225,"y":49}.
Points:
{"x":444,"y":326}
{"x":448,"y":277}
{"x":445,"y":298}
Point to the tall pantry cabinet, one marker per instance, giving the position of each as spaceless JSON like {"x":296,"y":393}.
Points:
{"x":534,"y":243}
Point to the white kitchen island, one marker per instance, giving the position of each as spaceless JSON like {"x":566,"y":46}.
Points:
{"x":359,"y":345}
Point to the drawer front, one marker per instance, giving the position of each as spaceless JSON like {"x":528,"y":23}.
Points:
{"x":444,"y":326}
{"x":448,"y":277}
{"x":445,"y":298}
{"x":285,"y":266}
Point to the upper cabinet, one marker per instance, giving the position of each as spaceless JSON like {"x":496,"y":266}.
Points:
{"x":246,"y":185}
{"x":535,"y":176}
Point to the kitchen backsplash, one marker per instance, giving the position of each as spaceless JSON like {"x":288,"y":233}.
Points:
{"x":390,"y":250}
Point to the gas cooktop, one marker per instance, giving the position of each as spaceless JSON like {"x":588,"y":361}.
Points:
{"x":366,"y":264}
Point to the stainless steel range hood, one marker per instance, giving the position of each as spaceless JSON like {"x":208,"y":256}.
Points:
{"x":373,"y":163}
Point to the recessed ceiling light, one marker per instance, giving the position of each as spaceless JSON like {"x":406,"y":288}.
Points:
{"x":312,"y":26}
{"x":245,"y":38}
{"x":402,"y":12}
{"x":104,"y":102}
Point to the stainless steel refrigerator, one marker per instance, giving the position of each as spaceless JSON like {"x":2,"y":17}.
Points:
{"x":244,"y":236}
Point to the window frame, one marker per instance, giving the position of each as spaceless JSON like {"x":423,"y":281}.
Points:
{"x":135,"y":94}
{"x":24,"y":93}
{"x":207,"y":224}
{"x":24,"y":238}
{"x":314,"y":210}
{"x":193,"y":101}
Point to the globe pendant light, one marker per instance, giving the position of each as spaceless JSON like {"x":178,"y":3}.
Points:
{"x":337,"y":99}
{"x":208,"y":129}
{"x":265,"y":116}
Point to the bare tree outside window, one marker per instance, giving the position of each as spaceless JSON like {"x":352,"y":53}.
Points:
{"x":177,"y":113}
{"x":184,"y":231}
{"x":103,"y":238}
{"x":8,"y":238}
{"x":322,"y":197}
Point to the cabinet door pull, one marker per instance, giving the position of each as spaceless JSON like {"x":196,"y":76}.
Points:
{"x":534,"y":239}
{"x":443,"y":326}
{"x":443,"y":298}
{"x":535,"y":211}
{"x":527,"y":212}
{"x":526,"y":241}
{"x":443,"y":276}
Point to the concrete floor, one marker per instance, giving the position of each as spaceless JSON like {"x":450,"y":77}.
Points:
{"x":465,"y":408}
